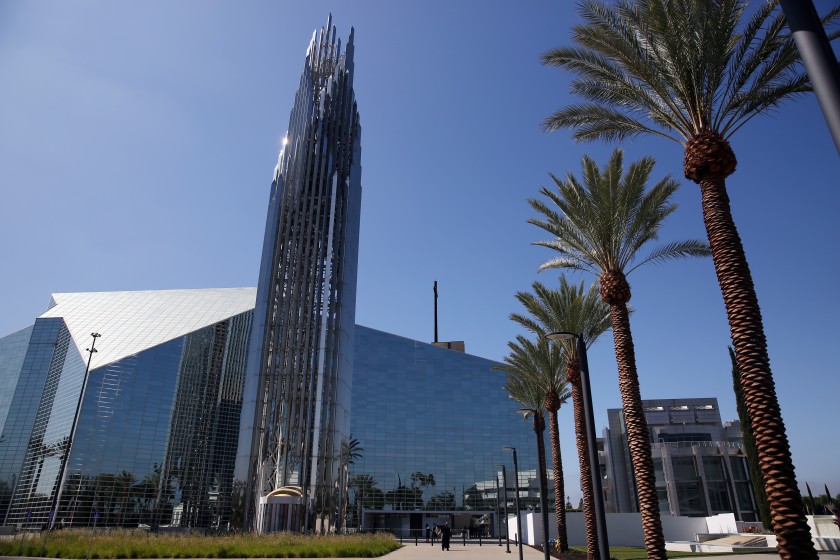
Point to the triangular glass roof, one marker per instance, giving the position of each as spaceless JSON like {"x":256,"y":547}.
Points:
{"x":131,"y":322}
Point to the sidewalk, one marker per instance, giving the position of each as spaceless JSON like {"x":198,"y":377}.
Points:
{"x":492,"y":551}
{"x":457,"y":551}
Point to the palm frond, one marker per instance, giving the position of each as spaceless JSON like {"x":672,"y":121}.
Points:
{"x":677,"y":250}
{"x":593,"y":122}
{"x":674,"y":68}
{"x":603,"y":223}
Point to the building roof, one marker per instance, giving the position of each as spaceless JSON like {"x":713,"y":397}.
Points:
{"x":130,"y":322}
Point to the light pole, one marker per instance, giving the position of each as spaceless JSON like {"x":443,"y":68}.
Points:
{"x":539,"y":427}
{"x":507,"y":533}
{"x":516,"y":485}
{"x":62,"y":471}
{"x":591,"y":443}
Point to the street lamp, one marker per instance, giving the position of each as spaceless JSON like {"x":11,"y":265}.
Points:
{"x":62,"y":470}
{"x":516,"y":485}
{"x":539,"y":426}
{"x":507,"y":533}
{"x":591,"y":443}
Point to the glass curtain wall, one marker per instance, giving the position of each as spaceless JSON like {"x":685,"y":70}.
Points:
{"x":430,"y":424}
{"x":155,"y":441}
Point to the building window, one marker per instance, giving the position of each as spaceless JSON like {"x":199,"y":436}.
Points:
{"x":713,"y":468}
{"x":719,"y":497}
{"x":690,"y":497}
{"x":684,"y":469}
{"x":685,"y":437}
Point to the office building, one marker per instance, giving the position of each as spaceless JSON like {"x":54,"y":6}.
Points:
{"x":700,"y":462}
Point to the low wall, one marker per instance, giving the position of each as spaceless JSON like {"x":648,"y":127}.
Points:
{"x":625,"y":529}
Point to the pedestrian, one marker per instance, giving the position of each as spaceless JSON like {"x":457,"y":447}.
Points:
{"x":428,"y":532}
{"x":445,"y":533}
{"x":435,"y":532}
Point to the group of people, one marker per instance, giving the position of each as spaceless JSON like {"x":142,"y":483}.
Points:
{"x":444,"y":532}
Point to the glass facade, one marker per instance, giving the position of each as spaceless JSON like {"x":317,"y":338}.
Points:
{"x":430,"y":425}
{"x":296,"y":406}
{"x":156,"y":435}
{"x":698,"y":461}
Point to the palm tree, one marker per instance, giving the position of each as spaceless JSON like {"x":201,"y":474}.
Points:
{"x":689,"y":71}
{"x":536,"y":379}
{"x":354,"y":450}
{"x":570,"y":309}
{"x":601,"y":227}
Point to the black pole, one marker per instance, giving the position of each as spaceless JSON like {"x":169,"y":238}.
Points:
{"x":507,"y":533}
{"x":518,"y":510}
{"x":820,"y":62}
{"x":539,"y":427}
{"x":436,"y":320}
{"x":498,"y":511}
{"x":592,"y":447}
{"x":62,"y":471}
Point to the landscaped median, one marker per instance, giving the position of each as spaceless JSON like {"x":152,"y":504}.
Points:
{"x":139,"y":544}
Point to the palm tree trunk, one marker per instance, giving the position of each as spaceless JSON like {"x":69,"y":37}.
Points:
{"x":573,"y":375}
{"x":637,"y":431}
{"x":559,"y":487}
{"x":747,"y":331}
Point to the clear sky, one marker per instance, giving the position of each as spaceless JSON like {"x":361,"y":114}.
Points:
{"x":138,"y":141}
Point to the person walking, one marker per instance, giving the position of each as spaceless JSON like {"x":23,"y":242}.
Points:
{"x":428,"y":532}
{"x":445,"y":534}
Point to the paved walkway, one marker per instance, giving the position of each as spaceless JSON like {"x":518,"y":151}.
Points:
{"x":457,"y":551}
{"x":425,"y":551}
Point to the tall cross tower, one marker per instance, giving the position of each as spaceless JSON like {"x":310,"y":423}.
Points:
{"x":293,"y":443}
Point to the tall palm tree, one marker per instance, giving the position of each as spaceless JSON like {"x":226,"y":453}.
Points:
{"x":536,"y":379}
{"x":692,"y":72}
{"x":601,"y":227}
{"x":571,"y":309}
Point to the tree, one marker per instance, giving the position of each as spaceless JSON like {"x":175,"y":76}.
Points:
{"x":422,"y":481}
{"x":693,"y":72}
{"x":536,"y":379}
{"x":354,"y":450}
{"x":756,"y":477}
{"x":442,"y":501}
{"x":570,"y":309}
{"x":601,"y":226}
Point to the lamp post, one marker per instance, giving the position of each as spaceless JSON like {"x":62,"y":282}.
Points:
{"x":62,"y":471}
{"x":516,"y":485}
{"x":507,"y":533}
{"x":539,"y":426}
{"x":591,"y":443}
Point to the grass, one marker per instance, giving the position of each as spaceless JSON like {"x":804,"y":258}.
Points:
{"x":134,"y":544}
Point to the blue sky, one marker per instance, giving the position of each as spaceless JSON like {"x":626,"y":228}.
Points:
{"x":138,"y":140}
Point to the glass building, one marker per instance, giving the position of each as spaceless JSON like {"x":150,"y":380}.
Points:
{"x":429,"y":425}
{"x":147,"y":436}
{"x":700,"y":463}
{"x":296,"y":406}
{"x":232,"y":407}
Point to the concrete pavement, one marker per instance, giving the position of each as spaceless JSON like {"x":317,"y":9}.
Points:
{"x":457,"y":551}
{"x":492,"y":551}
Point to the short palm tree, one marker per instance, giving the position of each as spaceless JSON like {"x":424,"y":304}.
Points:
{"x":692,"y":72}
{"x":571,"y":309}
{"x":601,"y":226}
{"x":536,"y":379}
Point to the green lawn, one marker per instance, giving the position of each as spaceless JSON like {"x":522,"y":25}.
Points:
{"x":135,"y":544}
